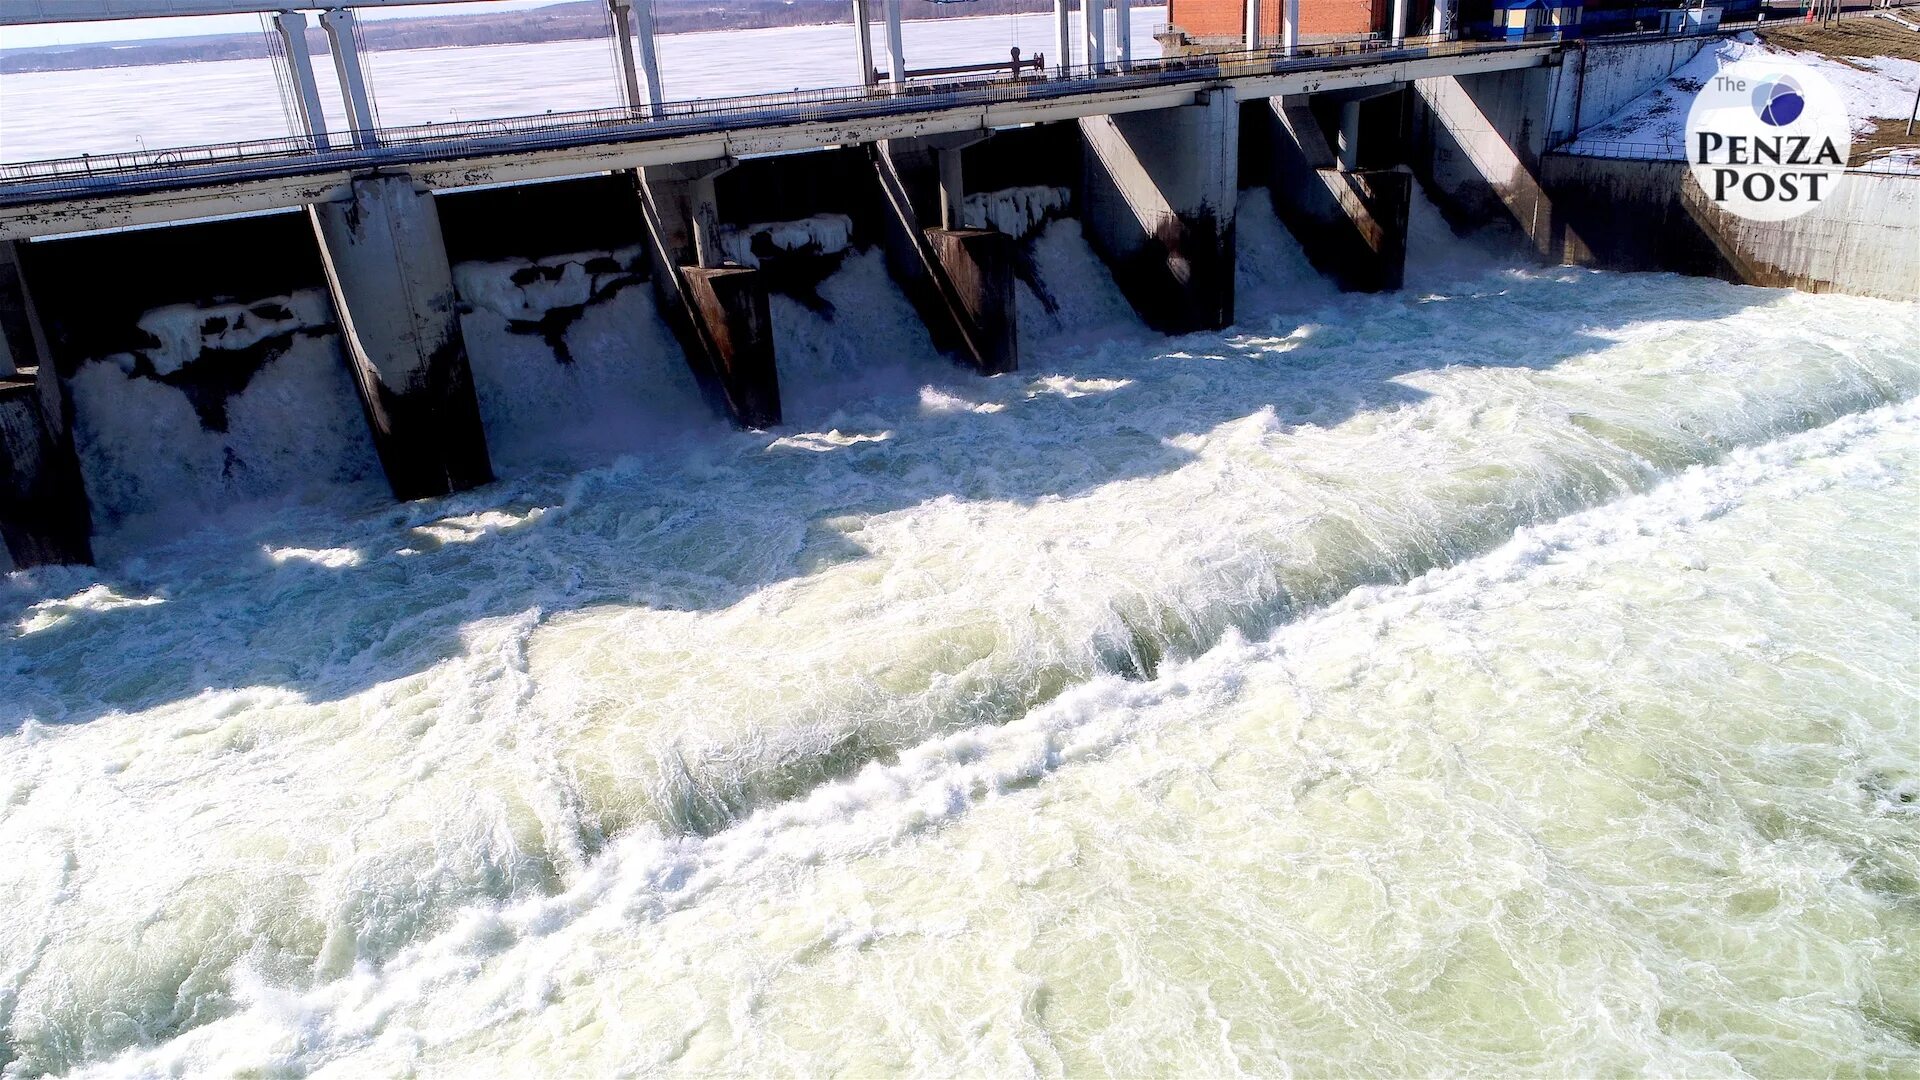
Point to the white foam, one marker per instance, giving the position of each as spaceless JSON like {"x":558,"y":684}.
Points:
{"x":1260,"y":794}
{"x":625,"y":385}
{"x":303,"y":811}
{"x":146,"y":455}
{"x":1088,"y":306}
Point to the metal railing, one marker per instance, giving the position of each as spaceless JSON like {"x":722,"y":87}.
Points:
{"x":1630,"y":151}
{"x":1875,"y":161}
{"x":137,"y":169}
{"x":131,"y":171}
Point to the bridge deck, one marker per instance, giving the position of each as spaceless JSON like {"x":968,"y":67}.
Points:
{"x":111,"y":191}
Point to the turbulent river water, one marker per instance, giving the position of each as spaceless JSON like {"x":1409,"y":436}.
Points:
{"x":1512,"y":675}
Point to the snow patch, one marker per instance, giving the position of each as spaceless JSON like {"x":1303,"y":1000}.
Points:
{"x":1653,"y":125}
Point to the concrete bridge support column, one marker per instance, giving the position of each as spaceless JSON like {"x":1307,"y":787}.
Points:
{"x":1159,"y":207}
{"x":1351,"y":222}
{"x":863,"y":41}
{"x":953,"y":185}
{"x":629,"y":15}
{"x":959,"y":279}
{"x":632,"y":94}
{"x":718,"y":312}
{"x":1093,"y":19}
{"x":1062,"y":36}
{"x":393,"y":293}
{"x":649,"y":54}
{"x":306,"y":89}
{"x":896,"y":50}
{"x":44,"y":517}
{"x":352,"y":74}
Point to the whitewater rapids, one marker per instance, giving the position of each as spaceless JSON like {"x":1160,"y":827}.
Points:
{"x":1511,"y":675}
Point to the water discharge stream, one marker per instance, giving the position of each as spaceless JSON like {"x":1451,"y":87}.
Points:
{"x":1514,"y":674}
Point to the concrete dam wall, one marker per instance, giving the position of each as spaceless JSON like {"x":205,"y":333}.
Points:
{"x":1486,"y":147}
{"x":437,"y":338}
{"x":1652,"y":215}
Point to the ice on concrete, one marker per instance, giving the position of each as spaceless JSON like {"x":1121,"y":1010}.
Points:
{"x":622,"y":382}
{"x":507,"y":289}
{"x":1016,"y":211}
{"x":184,"y":331}
{"x":821,"y":234}
{"x":296,"y":424}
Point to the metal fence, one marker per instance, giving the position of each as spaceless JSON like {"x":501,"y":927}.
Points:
{"x":1875,"y":162}
{"x":1632,"y":151}
{"x":394,"y":146}
{"x":37,"y":180}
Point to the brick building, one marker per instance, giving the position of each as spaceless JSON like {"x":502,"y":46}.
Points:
{"x":1211,"y":22}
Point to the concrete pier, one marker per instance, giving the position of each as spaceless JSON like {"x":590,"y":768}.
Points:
{"x":731,"y":302}
{"x":292,"y":26}
{"x":717,"y":312}
{"x":43,"y":506}
{"x":338,"y":23}
{"x":1160,"y":188}
{"x":386,"y":267}
{"x":44,"y":516}
{"x":959,"y":279}
{"x":1351,"y":222}
{"x":980,"y":265}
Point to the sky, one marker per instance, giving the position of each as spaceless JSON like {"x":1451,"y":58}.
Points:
{"x":22,"y":37}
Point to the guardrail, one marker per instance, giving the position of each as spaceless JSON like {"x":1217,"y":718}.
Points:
{"x":233,"y":161}
{"x":1880,"y":161}
{"x":1630,"y":151}
{"x":54,"y":178}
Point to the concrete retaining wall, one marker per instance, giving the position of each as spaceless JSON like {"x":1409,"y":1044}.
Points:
{"x":1652,"y":215}
{"x":1478,"y":140}
{"x":1597,"y":79}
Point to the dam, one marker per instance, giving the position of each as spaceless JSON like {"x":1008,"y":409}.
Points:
{"x":1509,"y":672}
{"x":950,"y":172}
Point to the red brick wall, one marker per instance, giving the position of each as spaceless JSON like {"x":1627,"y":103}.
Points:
{"x":1318,"y":18}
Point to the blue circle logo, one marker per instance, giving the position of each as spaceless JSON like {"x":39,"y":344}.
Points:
{"x":1778,"y":101}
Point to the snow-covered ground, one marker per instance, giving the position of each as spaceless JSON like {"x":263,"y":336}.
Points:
{"x":1900,"y":159}
{"x":1653,"y":125}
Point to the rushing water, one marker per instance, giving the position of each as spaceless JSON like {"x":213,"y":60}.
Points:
{"x":1515,"y":674}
